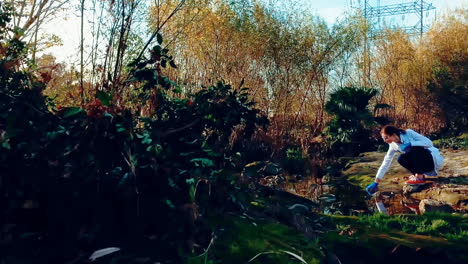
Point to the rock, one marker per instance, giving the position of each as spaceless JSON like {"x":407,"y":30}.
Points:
{"x":299,"y":208}
{"x":271,"y":181}
{"x":299,"y":177}
{"x":272,"y":169}
{"x":251,"y":170}
{"x":327,"y":197}
{"x":428,"y":205}
{"x":384,"y":195}
{"x":259,"y":169}
{"x":407,"y":189}
{"x":451,"y":194}
{"x":295,"y":178}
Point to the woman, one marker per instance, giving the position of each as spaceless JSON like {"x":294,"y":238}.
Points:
{"x":419,"y":155}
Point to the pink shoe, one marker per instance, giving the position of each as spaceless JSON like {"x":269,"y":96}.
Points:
{"x":415,"y":180}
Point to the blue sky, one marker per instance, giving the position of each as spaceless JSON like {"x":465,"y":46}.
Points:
{"x":330,"y":10}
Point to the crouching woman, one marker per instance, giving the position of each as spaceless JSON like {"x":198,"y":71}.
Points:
{"x":419,"y":155}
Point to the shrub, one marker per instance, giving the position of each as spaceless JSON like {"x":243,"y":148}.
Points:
{"x":80,"y":178}
{"x":460,"y":142}
{"x":349,"y":130}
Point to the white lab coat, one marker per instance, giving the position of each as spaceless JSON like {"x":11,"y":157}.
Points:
{"x":416,"y":140}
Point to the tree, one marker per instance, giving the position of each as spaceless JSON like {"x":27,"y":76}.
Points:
{"x":284,"y":57}
{"x":30,"y":16}
{"x":448,"y":54}
{"x":349,"y":128}
{"x":402,"y":70}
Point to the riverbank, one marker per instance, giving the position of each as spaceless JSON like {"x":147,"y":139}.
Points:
{"x":449,"y":188}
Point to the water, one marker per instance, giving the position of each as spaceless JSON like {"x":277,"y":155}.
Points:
{"x":397,"y":203}
{"x":340,"y":197}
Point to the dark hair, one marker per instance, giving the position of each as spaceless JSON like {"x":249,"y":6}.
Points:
{"x":390,"y":130}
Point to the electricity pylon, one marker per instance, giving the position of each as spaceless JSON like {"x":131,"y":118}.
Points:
{"x":417,"y":7}
{"x":374,"y":15}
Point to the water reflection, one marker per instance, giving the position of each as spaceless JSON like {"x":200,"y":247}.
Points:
{"x":310,"y":188}
{"x":332,"y":197}
{"x":394,"y":203}
{"x":340,"y":197}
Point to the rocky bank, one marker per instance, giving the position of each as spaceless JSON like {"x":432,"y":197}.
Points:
{"x":450,"y":187}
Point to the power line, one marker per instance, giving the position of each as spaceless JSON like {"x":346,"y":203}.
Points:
{"x":378,"y":12}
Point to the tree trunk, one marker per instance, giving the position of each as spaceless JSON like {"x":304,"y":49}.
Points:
{"x":82,"y":55}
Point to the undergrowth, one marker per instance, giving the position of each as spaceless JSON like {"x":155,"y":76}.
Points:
{"x":451,"y":227}
{"x":460,"y":142}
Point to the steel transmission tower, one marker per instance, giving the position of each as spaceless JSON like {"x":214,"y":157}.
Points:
{"x":375,"y":14}
{"x":415,"y":7}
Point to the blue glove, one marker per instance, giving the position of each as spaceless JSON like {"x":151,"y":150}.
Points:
{"x":404,"y":147}
{"x":372,"y":188}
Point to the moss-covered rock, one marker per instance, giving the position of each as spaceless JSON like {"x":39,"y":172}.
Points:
{"x":361,"y":180}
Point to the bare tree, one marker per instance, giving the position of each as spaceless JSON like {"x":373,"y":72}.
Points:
{"x":30,"y":16}
{"x":160,"y":22}
{"x":81,"y":54}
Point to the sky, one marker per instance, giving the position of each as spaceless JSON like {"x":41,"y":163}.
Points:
{"x":68,"y":26}
{"x":330,"y":10}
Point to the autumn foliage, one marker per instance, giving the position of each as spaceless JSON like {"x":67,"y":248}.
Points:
{"x":137,"y":146}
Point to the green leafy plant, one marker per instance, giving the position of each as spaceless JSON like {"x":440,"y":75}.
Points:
{"x":460,"y":142}
{"x":99,"y":174}
{"x":295,"y":161}
{"x":349,"y":129}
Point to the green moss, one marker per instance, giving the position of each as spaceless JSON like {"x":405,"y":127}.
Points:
{"x":367,"y":238}
{"x":241,"y":239}
{"x":371,"y":238}
{"x":348,"y":161}
{"x":361,"y":180}
{"x":447,"y":226}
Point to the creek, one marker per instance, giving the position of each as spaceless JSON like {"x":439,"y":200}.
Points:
{"x":340,"y":197}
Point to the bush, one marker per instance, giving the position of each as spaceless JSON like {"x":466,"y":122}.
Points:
{"x":460,"y":142}
{"x":295,"y":162}
{"x":349,"y":130}
{"x":77,"y":179}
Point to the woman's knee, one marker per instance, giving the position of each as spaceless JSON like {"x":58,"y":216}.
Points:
{"x":403,"y":159}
